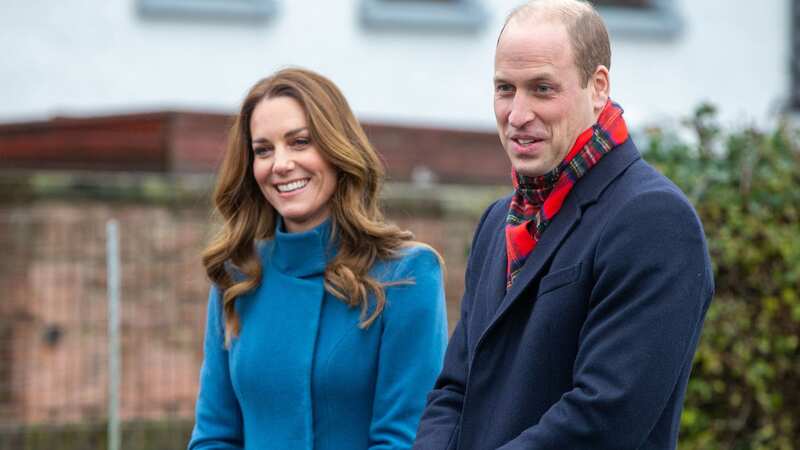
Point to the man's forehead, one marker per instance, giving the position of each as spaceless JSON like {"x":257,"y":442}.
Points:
{"x":532,"y":43}
{"x":535,"y":24}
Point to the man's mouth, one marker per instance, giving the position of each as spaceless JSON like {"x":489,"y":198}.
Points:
{"x":292,"y":185}
{"x":526,"y":140}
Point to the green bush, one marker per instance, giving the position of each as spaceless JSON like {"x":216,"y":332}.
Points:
{"x":166,"y":434}
{"x":745,"y":184}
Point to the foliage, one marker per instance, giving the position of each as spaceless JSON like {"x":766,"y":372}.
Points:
{"x":745,"y":184}
{"x":165,"y":434}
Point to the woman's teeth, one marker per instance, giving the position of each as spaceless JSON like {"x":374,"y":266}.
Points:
{"x":293,"y":186}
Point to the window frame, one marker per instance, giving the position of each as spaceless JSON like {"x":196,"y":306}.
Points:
{"x":453,"y":15}
{"x":243,"y":10}
{"x":659,"y":19}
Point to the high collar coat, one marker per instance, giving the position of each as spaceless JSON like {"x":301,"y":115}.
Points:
{"x":302,"y":374}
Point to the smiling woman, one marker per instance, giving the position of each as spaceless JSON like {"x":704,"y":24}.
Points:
{"x":326,"y":325}
{"x":292,"y":174}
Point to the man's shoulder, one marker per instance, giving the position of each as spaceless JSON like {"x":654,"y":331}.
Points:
{"x":643,"y":180}
{"x":498,"y":209}
{"x":490,"y":224}
{"x":644,"y":197}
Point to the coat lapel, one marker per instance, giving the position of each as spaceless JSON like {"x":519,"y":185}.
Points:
{"x":559,"y":229}
{"x":495,"y":288}
{"x":585,"y":192}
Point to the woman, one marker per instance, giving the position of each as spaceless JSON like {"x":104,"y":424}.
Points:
{"x":326,"y":326}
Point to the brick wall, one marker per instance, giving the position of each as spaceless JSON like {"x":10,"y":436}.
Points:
{"x":53,"y":284}
{"x":183,"y":142}
{"x":153,"y":173}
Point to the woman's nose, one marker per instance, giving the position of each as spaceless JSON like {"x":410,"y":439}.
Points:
{"x":283,"y":161}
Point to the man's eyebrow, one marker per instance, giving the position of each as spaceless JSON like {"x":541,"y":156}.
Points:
{"x":542,"y":75}
{"x":534,"y":79}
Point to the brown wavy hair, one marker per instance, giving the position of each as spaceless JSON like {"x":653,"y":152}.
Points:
{"x":357,"y":221}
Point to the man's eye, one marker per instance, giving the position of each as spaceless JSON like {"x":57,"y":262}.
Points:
{"x":503,"y":88}
{"x":544,"y":89}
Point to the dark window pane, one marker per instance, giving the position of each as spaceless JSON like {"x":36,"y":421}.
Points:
{"x":421,"y":1}
{"x":624,"y":3}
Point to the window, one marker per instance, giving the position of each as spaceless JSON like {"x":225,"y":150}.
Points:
{"x":656,"y":18}
{"x":248,"y":10}
{"x":465,"y":15}
{"x":624,"y":3}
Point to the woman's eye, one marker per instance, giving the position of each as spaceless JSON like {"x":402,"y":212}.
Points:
{"x":262,"y":152}
{"x":301,"y":142}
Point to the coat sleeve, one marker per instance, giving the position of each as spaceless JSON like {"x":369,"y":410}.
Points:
{"x":413,"y":341}
{"x":439,"y":423}
{"x":218,"y":417}
{"x":653,"y":284}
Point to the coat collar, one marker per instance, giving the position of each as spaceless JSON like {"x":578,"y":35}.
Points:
{"x":302,"y":254}
{"x":586,"y":192}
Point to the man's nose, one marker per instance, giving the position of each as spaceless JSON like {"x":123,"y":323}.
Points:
{"x":284,"y":162}
{"x":521,"y":111}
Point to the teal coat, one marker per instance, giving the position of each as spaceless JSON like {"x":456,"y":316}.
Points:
{"x":302,"y":374}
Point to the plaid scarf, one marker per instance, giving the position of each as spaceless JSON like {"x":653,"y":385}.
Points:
{"x":537,"y":200}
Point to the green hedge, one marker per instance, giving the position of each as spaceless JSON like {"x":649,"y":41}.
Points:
{"x":745,"y":387}
{"x":168,"y":434}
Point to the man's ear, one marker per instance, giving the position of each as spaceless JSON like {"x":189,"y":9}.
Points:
{"x":600,"y":84}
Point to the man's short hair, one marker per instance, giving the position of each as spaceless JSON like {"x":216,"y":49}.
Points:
{"x":585,"y":27}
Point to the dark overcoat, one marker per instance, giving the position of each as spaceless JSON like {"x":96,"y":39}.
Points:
{"x":592,"y":346}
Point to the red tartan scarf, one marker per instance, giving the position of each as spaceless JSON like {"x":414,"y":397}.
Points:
{"x":537,"y":200}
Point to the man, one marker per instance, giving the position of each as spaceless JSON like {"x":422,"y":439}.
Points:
{"x":586,"y":289}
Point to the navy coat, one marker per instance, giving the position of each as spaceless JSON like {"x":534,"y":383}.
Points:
{"x":592,"y":346}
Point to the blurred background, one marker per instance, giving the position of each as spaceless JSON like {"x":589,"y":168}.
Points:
{"x":118,"y":111}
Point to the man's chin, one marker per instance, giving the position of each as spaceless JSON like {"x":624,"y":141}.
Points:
{"x":530,"y":167}
{"x":531,"y":173}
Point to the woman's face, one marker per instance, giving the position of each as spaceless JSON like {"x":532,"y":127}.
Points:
{"x":287,"y":165}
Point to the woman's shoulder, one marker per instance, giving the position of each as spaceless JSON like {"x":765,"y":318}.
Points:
{"x":414,"y":286}
{"x":411,"y":260}
{"x":418,"y":252}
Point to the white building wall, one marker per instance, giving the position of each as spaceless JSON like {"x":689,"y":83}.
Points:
{"x":96,"y":57}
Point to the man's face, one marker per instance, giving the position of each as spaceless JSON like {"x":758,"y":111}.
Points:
{"x":540,"y":104}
